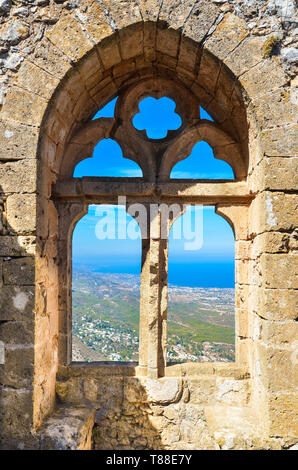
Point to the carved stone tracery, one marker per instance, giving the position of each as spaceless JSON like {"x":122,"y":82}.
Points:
{"x":156,"y":157}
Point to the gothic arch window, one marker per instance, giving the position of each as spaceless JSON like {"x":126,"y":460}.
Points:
{"x":201,"y":280}
{"x":105,"y":299}
{"x":154,"y":200}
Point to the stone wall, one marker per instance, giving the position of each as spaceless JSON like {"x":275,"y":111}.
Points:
{"x":59,"y":63}
{"x":169,"y":413}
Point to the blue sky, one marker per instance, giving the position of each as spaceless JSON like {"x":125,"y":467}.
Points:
{"x":213,"y":261}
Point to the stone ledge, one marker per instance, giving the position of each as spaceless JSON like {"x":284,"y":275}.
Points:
{"x":102,"y":369}
{"x":68,"y":428}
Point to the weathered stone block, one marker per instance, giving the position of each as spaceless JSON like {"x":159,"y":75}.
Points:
{"x":241,"y":296}
{"x":16,"y":303}
{"x":272,"y":212}
{"x":90,"y":389}
{"x":124,"y":68}
{"x":18,"y":177}
{"x":283,"y":409}
{"x":51,"y":59}
{"x":229,"y":424}
{"x":274,"y":304}
{"x":33,"y":78}
{"x":276,"y":109}
{"x":75,"y":43}
{"x":175,"y":12}
{"x":135,"y":390}
{"x":74,"y":86}
{"x":24,"y":107}
{"x":277,"y":174}
{"x":56,"y":130}
{"x":281,"y":141}
{"x":167,"y":42}
{"x":188,"y":54}
{"x":18,"y":141}
{"x":243,"y":249}
{"x":242,"y":271}
{"x":131,"y":42}
{"x":265,"y":77}
{"x":279,"y":271}
{"x":17,"y":333}
{"x":122,"y":13}
{"x":270,"y":242}
{"x":67,"y":429}
{"x":223,"y":94}
{"x":232,"y":392}
{"x":201,"y":389}
{"x":243,"y":348}
{"x":17,"y":246}
{"x":19,"y":271}
{"x":199,"y":22}
{"x":208,"y":72}
{"x":109,"y":53}
{"x":242,"y":325}
{"x":281,"y":334}
{"x":229,"y":33}
{"x":95,"y":21}
{"x":149,"y":42}
{"x":91,"y":69}
{"x":21,"y":213}
{"x":163,"y":391}
{"x":64,"y":107}
{"x":16,"y":414}
{"x":269,"y":359}
{"x":246,"y":55}
{"x":18,"y":368}
{"x":150,"y":9}
{"x":70,"y":391}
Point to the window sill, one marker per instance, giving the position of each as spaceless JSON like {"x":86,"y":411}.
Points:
{"x":130,"y":369}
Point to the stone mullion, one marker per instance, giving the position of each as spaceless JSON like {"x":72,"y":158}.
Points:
{"x":154,"y":293}
{"x":153,"y":306}
{"x":157,"y":295}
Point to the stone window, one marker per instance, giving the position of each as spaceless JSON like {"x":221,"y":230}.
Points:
{"x":59,"y":67}
{"x":156,"y":158}
{"x":201,"y":322}
{"x":105,"y":300}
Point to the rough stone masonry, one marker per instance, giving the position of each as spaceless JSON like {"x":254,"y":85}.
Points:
{"x":61,"y":61}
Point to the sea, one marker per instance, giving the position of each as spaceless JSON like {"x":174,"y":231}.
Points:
{"x":199,"y":274}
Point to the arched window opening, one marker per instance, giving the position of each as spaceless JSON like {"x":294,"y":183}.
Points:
{"x":131,"y":309}
{"x":107,"y":160}
{"x":201,"y":164}
{"x":106,"y":257}
{"x":157,"y":117}
{"x":108,"y":111}
{"x":201,"y":288}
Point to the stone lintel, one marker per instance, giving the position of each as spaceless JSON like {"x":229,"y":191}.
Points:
{"x":193,"y":190}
